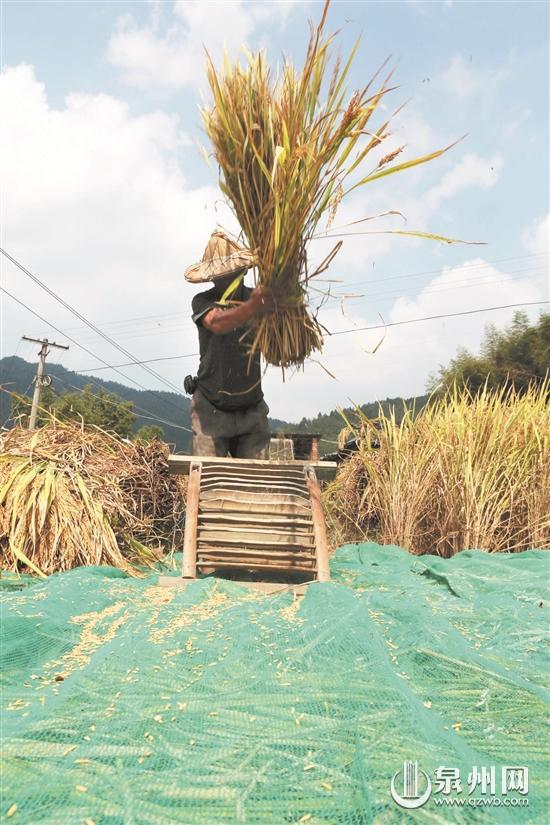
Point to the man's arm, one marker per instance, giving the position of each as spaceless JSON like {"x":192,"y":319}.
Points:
{"x":221,"y":321}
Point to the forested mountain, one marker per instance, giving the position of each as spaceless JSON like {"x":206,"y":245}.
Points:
{"x":330,"y":424}
{"x":17,"y":376}
{"x":166,"y":409}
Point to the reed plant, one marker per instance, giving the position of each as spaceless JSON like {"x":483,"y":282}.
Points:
{"x":290,"y":147}
{"x":469,"y":471}
{"x":72,"y":495}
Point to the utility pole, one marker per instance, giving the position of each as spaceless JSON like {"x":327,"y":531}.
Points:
{"x":40,"y":381}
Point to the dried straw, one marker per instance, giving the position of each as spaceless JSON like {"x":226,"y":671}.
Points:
{"x":72,"y":495}
{"x":285,"y":152}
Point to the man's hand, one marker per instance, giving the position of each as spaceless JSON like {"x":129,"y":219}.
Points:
{"x":262,"y":301}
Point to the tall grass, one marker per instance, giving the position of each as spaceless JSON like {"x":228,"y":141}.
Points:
{"x":467,"y":472}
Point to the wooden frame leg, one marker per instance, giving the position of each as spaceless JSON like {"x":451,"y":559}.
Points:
{"x":319,"y":527}
{"x":189,"y":566}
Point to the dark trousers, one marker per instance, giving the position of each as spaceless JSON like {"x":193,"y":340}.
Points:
{"x":238,"y":433}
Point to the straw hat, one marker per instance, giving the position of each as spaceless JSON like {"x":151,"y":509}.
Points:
{"x":222,"y":257}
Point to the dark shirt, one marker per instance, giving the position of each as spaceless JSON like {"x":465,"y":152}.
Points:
{"x":225,"y":376}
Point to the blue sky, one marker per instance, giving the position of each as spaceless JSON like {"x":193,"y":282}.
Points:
{"x":107,"y":198}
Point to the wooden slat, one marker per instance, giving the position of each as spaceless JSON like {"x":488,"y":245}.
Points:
{"x":257,"y":533}
{"x":254,"y":507}
{"x":227,"y":539}
{"x":191,"y":519}
{"x":275,"y":501}
{"x":179,"y":464}
{"x":257,"y":481}
{"x":245,"y":529}
{"x":305,"y":558}
{"x":284,"y":485}
{"x":228,"y":469}
{"x":258,"y":565}
{"x":259,"y":519}
{"x":321,"y":543}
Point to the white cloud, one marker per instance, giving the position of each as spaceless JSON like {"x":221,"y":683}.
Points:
{"x":536,"y":238}
{"x":174,"y":58}
{"x":470,"y":171}
{"x":409,"y":354}
{"x":96,"y":203}
{"x":462,"y":79}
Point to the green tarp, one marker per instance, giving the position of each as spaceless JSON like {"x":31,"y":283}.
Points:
{"x":123,"y":702}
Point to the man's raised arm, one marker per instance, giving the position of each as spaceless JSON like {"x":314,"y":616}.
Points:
{"x":220,"y":321}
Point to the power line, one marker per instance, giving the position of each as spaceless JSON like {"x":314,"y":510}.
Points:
{"x":361,"y":329}
{"x":85,"y":320}
{"x":461,"y":284}
{"x":133,"y":320}
{"x":436,"y":317}
{"x":456,"y":266}
{"x":148,"y":361}
{"x":352,"y":300}
{"x":367,"y":297}
{"x":85,"y":349}
{"x":149,"y":415}
{"x":152,"y":318}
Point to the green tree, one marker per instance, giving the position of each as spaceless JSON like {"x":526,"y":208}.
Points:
{"x":102,"y":409}
{"x":21,"y":407}
{"x":517,"y":356}
{"x":148,"y":433}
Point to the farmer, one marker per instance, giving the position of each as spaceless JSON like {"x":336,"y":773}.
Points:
{"x":228,"y":411}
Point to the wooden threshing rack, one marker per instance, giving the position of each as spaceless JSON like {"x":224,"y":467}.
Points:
{"x":260,"y":516}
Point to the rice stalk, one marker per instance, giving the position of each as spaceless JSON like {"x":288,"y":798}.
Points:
{"x":467,"y":472}
{"x":290,"y":148}
{"x":72,"y":495}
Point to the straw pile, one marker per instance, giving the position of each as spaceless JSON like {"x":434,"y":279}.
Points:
{"x":284,"y":148}
{"x":72,"y":495}
{"x":469,"y":472}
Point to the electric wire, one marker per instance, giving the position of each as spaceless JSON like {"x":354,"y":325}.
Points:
{"x":457,"y":285}
{"x":86,"y":321}
{"x":351,"y":300}
{"x":455,"y":266}
{"x":148,"y":361}
{"x":437,"y":317}
{"x":149,"y":415}
{"x":360,"y":329}
{"x":85,"y":349}
{"x":465,"y":267}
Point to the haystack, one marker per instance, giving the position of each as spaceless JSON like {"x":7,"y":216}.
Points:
{"x":72,"y":495}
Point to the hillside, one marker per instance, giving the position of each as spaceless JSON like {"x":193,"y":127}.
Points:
{"x":17,"y":375}
{"x":330,"y":424}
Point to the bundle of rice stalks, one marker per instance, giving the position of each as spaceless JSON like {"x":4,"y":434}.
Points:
{"x":467,"y":472}
{"x":72,"y":495}
{"x":284,"y":147}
